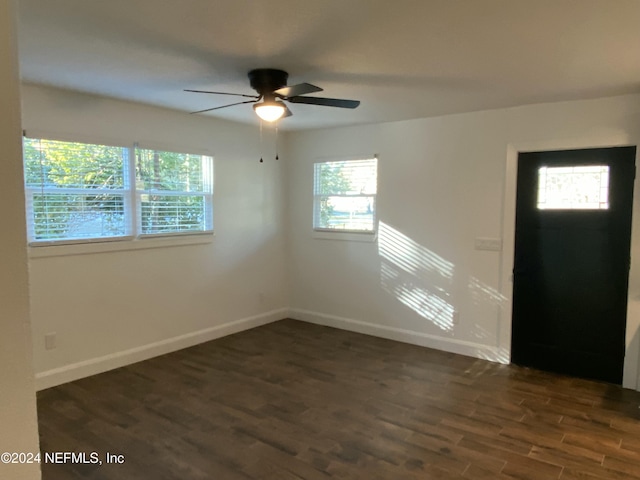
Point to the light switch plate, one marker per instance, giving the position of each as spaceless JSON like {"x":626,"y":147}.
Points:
{"x":491,"y":244}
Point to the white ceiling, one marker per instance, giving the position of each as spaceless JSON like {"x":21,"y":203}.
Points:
{"x":402,"y":59}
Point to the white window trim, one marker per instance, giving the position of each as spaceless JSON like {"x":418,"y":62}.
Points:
{"x":56,"y":248}
{"x":119,"y":245}
{"x":348,"y":236}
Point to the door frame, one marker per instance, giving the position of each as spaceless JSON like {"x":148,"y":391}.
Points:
{"x":631,"y":374}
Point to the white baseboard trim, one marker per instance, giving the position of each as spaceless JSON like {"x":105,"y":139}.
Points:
{"x":462,"y":347}
{"x":86,"y":368}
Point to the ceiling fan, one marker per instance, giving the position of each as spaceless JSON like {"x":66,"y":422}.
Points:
{"x":272,"y":88}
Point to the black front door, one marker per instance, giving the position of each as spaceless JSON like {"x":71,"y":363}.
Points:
{"x":571,"y":266}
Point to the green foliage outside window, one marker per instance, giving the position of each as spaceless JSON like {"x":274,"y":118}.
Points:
{"x":160,"y":175}
{"x":344,"y":195}
{"x":78,"y":190}
{"x":332,"y":180}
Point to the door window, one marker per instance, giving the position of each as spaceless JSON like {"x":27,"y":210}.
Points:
{"x":573,"y":188}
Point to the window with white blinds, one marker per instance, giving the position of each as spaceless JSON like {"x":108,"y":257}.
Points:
{"x":78,"y":192}
{"x":345,"y":195}
{"x":174,"y":192}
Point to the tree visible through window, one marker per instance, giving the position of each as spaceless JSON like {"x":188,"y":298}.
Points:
{"x":75,"y":190}
{"x":345,"y":195}
{"x":78,"y":191}
{"x":172,"y":190}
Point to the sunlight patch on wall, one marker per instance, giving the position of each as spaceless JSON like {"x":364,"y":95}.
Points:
{"x":418,"y":298}
{"x":483,"y":293}
{"x":410,"y":255}
{"x":417,"y":277}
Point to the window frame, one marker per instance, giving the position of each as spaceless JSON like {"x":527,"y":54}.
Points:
{"x":133,"y":238}
{"x":345,"y":234}
{"x":207,"y":196}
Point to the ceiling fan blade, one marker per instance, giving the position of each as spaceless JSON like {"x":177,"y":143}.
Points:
{"x":287,"y":112}
{"x":295,"y":90}
{"x":327,"y":102}
{"x":224,"y":106}
{"x":223,"y":93}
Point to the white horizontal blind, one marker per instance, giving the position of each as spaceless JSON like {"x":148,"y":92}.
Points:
{"x":345,"y":195}
{"x":75,"y":191}
{"x":174,"y":192}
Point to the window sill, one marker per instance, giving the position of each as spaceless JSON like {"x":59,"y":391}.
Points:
{"x":118,"y":246}
{"x":367,"y":237}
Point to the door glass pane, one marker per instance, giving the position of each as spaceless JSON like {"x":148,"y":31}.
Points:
{"x":573,"y":188}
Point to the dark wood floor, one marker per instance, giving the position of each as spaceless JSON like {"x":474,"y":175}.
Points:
{"x":297,"y":401}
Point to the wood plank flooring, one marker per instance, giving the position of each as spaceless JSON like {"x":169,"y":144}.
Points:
{"x":292,"y":400}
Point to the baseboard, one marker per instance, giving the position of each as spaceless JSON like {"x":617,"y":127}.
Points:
{"x":452,"y":345}
{"x":94,"y":366}
{"x":75,"y":371}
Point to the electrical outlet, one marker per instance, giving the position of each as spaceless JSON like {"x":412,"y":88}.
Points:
{"x":50,"y":341}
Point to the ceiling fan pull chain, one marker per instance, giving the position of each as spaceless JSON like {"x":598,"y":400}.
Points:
{"x":277,"y":158}
{"x":261,"y":160}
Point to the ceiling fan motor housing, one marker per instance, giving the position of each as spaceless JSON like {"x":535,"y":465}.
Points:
{"x":272,"y":88}
{"x":267,"y":80}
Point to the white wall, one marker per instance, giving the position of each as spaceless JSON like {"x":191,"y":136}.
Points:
{"x":442,"y":182}
{"x":18,"y":422}
{"x":114,"y":307}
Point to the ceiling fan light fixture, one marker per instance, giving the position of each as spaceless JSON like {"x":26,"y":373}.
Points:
{"x":269,"y":110}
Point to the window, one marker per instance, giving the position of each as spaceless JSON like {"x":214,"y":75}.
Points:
{"x":345,"y":195}
{"x":79,"y":192}
{"x":173,"y":191}
{"x":75,"y":191}
{"x":573,"y":188}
